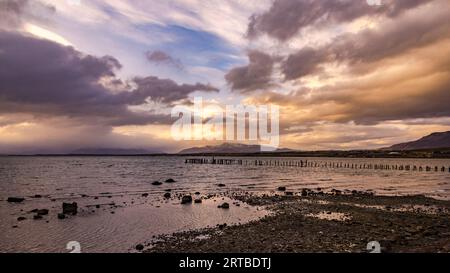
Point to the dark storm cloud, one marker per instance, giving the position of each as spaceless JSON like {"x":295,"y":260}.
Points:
{"x":161,"y":57}
{"x":13,"y":12}
{"x":163,"y":90}
{"x":286,"y":18}
{"x":47,"y":79}
{"x":304,"y":62}
{"x":256,"y":75}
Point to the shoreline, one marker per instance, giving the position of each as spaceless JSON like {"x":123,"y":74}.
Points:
{"x":314,"y":221}
{"x":426,"y":153}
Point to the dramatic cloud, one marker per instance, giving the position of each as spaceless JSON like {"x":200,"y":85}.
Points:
{"x":256,"y":75}
{"x":409,"y":86}
{"x":287,"y":17}
{"x":47,"y":79}
{"x":371,"y":45}
{"x":345,"y":74}
{"x":160,"y":57}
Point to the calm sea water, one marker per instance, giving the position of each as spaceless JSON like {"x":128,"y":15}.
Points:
{"x":134,"y":218}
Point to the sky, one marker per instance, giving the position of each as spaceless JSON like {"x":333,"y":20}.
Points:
{"x":346,"y":74}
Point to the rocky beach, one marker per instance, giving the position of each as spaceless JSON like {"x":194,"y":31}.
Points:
{"x":317,"y":221}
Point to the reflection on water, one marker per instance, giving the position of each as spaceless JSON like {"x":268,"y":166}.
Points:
{"x":134,"y":218}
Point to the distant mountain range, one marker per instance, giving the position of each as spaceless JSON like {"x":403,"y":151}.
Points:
{"x":433,"y":141}
{"x":109,"y":151}
{"x":228,"y":148}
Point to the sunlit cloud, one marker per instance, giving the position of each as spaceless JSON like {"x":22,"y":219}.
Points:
{"x":46,"y":34}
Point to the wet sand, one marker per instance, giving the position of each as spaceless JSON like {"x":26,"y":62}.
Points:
{"x":314,"y":221}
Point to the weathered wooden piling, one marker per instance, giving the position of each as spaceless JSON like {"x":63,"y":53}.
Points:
{"x":314,"y":164}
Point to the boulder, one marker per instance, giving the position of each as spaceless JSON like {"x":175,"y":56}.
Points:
{"x":144,"y":194}
{"x":167,"y":195}
{"x":139,"y":247}
{"x":224,"y":206}
{"x":156,"y":183}
{"x":70,"y":208}
{"x":186,"y":199}
{"x":281,"y":188}
{"x":304,"y":192}
{"x":170,"y":180}
{"x":61,"y":216}
{"x":15,"y":199}
{"x":37,"y":217}
{"x":198,"y":200}
{"x":21,"y":218}
{"x":221,"y":185}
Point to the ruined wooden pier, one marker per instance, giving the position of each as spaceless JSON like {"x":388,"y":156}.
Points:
{"x":315,"y":164}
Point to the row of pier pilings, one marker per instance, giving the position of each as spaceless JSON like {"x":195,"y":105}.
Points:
{"x":315,"y":164}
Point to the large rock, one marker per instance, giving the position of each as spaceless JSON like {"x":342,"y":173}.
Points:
{"x":170,"y":180}
{"x":156,"y":183}
{"x":187,"y":199}
{"x":15,"y":199}
{"x":70,"y":208}
{"x":139,"y":247}
{"x":224,"y":206}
